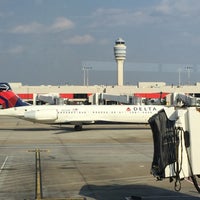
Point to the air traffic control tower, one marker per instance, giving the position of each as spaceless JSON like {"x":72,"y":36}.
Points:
{"x":120,"y":56}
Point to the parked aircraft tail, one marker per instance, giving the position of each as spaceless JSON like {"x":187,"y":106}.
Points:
{"x":8,"y":98}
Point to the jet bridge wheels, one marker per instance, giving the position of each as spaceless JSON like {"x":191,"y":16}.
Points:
{"x":78,"y":127}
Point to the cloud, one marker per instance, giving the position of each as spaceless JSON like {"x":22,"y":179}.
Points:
{"x":6,"y":14}
{"x":109,"y":17}
{"x":79,"y":40}
{"x":170,"y":10}
{"x":103,"y":41}
{"x":120,"y":17}
{"x":33,"y":27}
{"x":13,"y":50}
{"x":39,"y":2}
{"x":59,"y":25}
{"x":164,"y":7}
{"x":178,"y":7}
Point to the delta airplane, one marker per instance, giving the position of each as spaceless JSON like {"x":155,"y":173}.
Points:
{"x":77,"y":115}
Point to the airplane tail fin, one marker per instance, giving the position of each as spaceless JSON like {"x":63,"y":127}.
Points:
{"x":8,"y":98}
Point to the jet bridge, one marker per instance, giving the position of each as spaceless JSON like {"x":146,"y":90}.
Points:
{"x":104,"y":98}
{"x":176,"y":137}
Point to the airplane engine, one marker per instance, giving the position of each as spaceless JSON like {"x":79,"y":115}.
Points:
{"x":41,"y":115}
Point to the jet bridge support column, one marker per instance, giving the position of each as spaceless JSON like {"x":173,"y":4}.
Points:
{"x":176,"y":135}
{"x":194,"y":131}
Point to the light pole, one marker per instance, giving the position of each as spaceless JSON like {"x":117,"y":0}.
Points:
{"x":188,"y":69}
{"x":179,"y":77}
{"x":86,"y":75}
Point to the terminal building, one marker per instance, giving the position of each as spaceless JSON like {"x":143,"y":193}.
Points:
{"x":143,"y":92}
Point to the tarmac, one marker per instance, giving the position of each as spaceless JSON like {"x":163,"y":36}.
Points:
{"x":101,"y":162}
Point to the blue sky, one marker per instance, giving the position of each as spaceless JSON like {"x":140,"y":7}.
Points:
{"x":49,"y":41}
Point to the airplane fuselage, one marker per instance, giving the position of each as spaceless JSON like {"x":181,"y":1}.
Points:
{"x":83,"y":114}
{"x":77,"y":115}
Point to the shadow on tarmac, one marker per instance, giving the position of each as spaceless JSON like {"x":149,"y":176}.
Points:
{"x":70,"y":128}
{"x":119,"y":192}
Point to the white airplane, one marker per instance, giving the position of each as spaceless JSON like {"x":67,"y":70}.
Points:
{"x":76,"y":115}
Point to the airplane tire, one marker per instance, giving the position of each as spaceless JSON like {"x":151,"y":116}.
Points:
{"x":78,"y":127}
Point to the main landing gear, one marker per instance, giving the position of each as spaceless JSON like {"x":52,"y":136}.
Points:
{"x":78,"y":127}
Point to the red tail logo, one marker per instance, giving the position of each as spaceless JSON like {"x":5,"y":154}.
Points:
{"x":8,"y":98}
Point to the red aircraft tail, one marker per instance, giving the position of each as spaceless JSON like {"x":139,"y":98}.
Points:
{"x":8,"y":98}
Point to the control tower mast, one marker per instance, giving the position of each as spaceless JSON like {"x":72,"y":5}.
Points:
{"x":120,"y":56}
